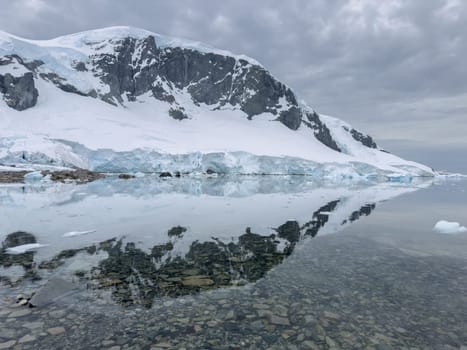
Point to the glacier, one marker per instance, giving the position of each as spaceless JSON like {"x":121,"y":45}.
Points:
{"x":82,"y":120}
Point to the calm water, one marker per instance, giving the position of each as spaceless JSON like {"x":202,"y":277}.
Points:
{"x":249,"y":263}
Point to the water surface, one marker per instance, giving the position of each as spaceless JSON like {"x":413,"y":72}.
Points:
{"x":252,"y":262}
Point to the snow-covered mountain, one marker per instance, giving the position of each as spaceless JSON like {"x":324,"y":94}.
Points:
{"x":122,"y":99}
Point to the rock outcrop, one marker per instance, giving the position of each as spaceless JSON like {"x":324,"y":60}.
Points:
{"x":20,"y":92}
{"x":138,"y":66}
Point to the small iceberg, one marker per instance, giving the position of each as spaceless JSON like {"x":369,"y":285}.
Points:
{"x":447,"y":227}
{"x":77,"y":233}
{"x":33,"y":176}
{"x":21,"y":249}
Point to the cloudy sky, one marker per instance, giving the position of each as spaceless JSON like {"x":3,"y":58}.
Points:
{"x":393,"y":68}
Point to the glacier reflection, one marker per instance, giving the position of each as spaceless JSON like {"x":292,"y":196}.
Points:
{"x":150,"y":238}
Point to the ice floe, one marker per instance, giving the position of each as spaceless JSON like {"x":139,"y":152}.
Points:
{"x":447,"y":227}
{"x":21,"y":249}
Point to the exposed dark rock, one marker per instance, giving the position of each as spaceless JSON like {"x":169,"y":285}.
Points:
{"x":291,"y":118}
{"x":61,"y":83}
{"x":159,"y":93}
{"x":210,"y":78}
{"x":126,"y":176}
{"x":165,"y":174}
{"x":365,"y":140}
{"x":30,"y":65}
{"x":80,"y":67}
{"x":321,"y":131}
{"x":118,"y":70}
{"x":19,"y":93}
{"x":178,"y":114}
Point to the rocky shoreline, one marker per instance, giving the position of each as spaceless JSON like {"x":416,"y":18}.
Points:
{"x":7,"y":177}
{"x":74,"y":175}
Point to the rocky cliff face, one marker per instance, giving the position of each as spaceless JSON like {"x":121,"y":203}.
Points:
{"x":138,"y":66}
{"x":18,"y":92}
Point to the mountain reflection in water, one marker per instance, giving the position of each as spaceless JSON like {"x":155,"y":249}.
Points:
{"x":184,"y":260}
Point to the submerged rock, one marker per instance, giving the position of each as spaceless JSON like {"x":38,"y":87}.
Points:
{"x":126,"y":176}
{"x":18,"y":238}
{"x":54,"y":289}
{"x":197,"y":281}
{"x":165,"y":174}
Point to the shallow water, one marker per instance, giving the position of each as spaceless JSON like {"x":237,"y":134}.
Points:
{"x":273,"y":262}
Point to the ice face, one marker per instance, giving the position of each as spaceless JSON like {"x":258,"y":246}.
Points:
{"x":65,"y":153}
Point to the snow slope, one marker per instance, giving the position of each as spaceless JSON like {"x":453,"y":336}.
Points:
{"x":67,"y":129}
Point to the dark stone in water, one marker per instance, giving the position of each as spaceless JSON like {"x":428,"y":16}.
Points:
{"x":18,"y":238}
{"x":54,"y":289}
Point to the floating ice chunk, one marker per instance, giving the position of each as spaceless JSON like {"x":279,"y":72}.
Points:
{"x":33,"y":176}
{"x":324,"y":213}
{"x":447,"y":227}
{"x":77,"y":233}
{"x":400,"y":178}
{"x":21,"y":249}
